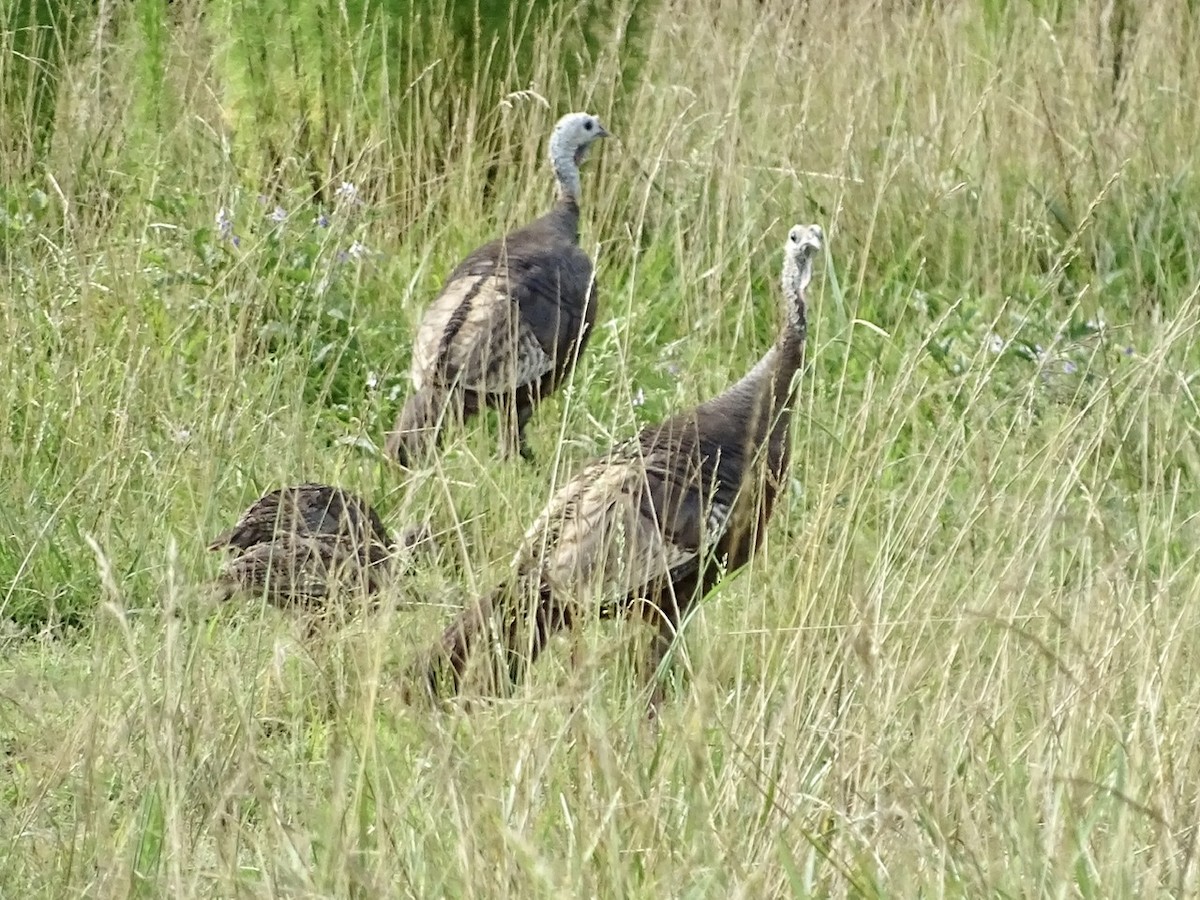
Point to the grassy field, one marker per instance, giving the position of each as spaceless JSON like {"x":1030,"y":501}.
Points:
{"x":964,"y":662}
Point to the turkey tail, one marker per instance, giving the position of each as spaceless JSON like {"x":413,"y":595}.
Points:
{"x":475,"y":625}
{"x":418,"y":427}
{"x":513,"y":638}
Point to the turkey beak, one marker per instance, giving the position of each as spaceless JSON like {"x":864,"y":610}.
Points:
{"x":814,"y":241}
{"x":581,"y":152}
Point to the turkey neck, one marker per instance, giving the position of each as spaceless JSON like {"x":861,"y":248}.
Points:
{"x":565,"y":216}
{"x":758,"y":407}
{"x":789,"y":346}
{"x":567,"y":172}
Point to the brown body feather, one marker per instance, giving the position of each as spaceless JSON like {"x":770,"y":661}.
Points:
{"x":298,"y":545}
{"x":655,"y":523}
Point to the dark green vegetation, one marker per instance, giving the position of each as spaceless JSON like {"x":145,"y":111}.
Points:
{"x":963,"y":663}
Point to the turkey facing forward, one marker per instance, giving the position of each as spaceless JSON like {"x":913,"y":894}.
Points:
{"x":510,"y":321}
{"x":297,"y":543}
{"x":653,"y":525}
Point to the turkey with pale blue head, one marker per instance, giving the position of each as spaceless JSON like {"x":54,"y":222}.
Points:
{"x":510,"y":321}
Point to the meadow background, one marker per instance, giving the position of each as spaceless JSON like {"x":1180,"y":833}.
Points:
{"x":964,"y":663}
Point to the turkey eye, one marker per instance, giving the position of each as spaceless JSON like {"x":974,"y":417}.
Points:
{"x":587,"y":126}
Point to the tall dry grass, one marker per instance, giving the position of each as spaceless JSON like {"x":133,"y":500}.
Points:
{"x":961,"y":664}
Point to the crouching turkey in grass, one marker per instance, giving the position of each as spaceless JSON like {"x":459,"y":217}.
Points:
{"x":299,"y":545}
{"x":652,"y":526}
{"x":510,"y":321}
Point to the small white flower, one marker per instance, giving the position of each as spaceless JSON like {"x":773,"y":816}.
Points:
{"x":278,"y":214}
{"x":372,"y":381}
{"x":224,"y":222}
{"x":357,"y":250}
{"x":346,"y":192}
{"x":639,"y":398}
{"x":995,"y":343}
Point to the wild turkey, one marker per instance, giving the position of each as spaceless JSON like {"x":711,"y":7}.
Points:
{"x":654,"y":524}
{"x":510,"y":321}
{"x":296,"y":542}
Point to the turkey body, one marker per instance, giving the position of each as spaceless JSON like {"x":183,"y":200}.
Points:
{"x":654,"y":524}
{"x":510,"y":321}
{"x":296,"y":545}
{"x":506,"y":329}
